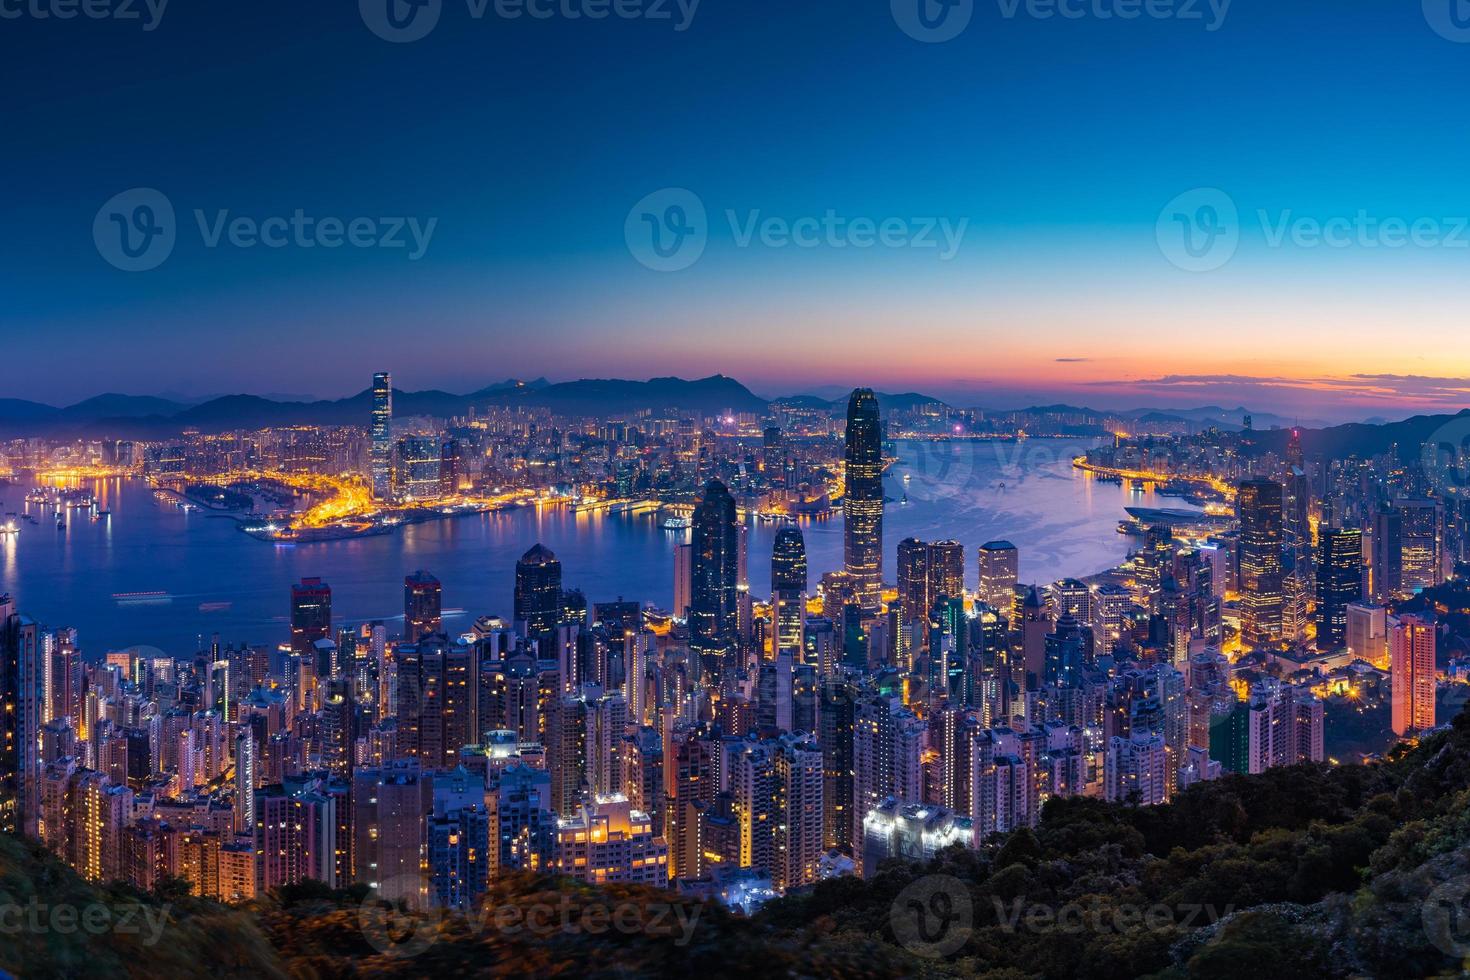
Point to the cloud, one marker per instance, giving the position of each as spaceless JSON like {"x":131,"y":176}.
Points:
{"x":1388,"y":388}
{"x":1073,"y":360}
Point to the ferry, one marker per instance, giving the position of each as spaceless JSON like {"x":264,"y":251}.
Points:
{"x":141,"y":597}
{"x":9,"y":530}
{"x":1137,"y":486}
{"x":38,"y":496}
{"x":677,"y":523}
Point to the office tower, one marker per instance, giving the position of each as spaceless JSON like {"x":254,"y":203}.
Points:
{"x":390,"y":810}
{"x":22,"y":707}
{"x":1388,"y":556}
{"x":712,"y":603}
{"x":836,"y":718}
{"x":1411,"y":652}
{"x":1421,"y":530}
{"x":538,"y":600}
{"x":438,"y":700}
{"x":1367,"y":633}
{"x":788,"y":590}
{"x":1000,"y":566}
{"x":311,"y":615}
{"x":609,"y":841}
{"x":914,"y":601}
{"x":422,"y":606}
{"x":911,"y":832}
{"x":638,"y":660}
{"x":1074,"y":598}
{"x":1339,"y":583}
{"x":458,"y":840}
{"x":382,"y":437}
{"x":862,"y":532}
{"x":1035,"y":625}
{"x":1261,"y":596}
{"x":683,"y":579}
{"x":418,"y":468}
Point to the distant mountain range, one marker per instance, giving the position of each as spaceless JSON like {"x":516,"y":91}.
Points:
{"x":149,"y":417}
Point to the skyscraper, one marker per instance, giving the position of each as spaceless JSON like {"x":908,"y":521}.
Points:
{"x":713,"y":593}
{"x":1411,"y":646}
{"x":311,"y":614}
{"x":1339,"y":583}
{"x":862,"y":533}
{"x":538,"y":591}
{"x":21,"y":710}
{"x":1261,"y":596}
{"x":788,"y":589}
{"x":422,"y":606}
{"x":382,"y":436}
{"x":1000,"y":566}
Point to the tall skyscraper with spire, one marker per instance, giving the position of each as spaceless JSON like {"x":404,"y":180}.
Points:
{"x":382,"y":436}
{"x":862,"y":533}
{"x":788,"y":589}
{"x":713,"y":594}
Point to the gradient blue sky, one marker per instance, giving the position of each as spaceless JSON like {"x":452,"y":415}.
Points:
{"x":1059,"y":141}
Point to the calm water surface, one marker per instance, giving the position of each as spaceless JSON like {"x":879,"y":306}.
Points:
{"x":222,"y":581}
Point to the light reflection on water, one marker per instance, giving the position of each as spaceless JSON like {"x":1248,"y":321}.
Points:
{"x":1063,"y":522}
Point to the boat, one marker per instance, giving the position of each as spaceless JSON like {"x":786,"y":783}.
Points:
{"x":141,"y":597}
{"x":9,"y":529}
{"x":38,"y":496}
{"x":677,"y":523}
{"x":1137,"y":486}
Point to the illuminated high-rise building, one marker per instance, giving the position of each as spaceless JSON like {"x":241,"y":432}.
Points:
{"x":788,"y":589}
{"x":22,"y":706}
{"x":418,"y":468}
{"x":683,"y":578}
{"x":1421,"y":531}
{"x":1339,"y":583}
{"x":538,"y":604}
{"x":311,"y":615}
{"x":862,"y":533}
{"x":422,"y":606}
{"x":713,"y":594}
{"x":1261,"y":596}
{"x":382,"y":436}
{"x":1411,"y":673}
{"x":1000,"y":566}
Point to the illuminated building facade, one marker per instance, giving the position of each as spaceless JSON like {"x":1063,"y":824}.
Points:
{"x":862,"y":533}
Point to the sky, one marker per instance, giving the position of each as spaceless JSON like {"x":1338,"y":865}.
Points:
{"x":1250,"y":203}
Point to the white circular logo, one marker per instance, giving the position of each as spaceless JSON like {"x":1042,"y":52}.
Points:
{"x":1447,"y":918}
{"x":401,"y":21}
{"x":1449,"y":18}
{"x":1199,"y":230}
{"x":933,"y":917}
{"x":933,"y":469}
{"x":135,"y":231}
{"x":668,"y":230}
{"x":933,"y":21}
